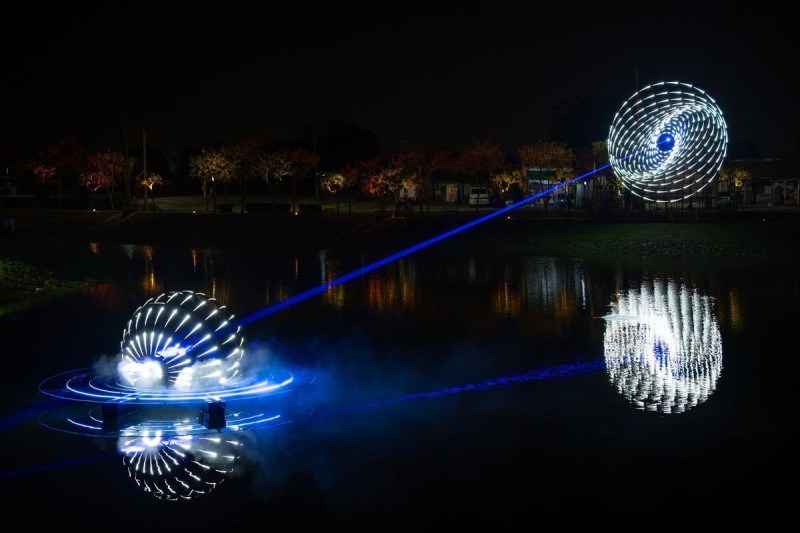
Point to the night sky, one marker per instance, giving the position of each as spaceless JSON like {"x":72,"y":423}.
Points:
{"x":195,"y":75}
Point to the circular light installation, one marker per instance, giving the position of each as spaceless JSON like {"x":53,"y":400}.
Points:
{"x":663,"y":347}
{"x":178,"y":468}
{"x":183,"y":340}
{"x":667,"y":142}
{"x":179,"y":352}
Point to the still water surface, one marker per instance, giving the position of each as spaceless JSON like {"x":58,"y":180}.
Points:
{"x":451,"y":387}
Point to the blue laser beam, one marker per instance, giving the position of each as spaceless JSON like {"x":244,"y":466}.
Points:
{"x":314,"y":291}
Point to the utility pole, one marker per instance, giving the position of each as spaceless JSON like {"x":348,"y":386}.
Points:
{"x":125,"y":168}
{"x":144,"y":164}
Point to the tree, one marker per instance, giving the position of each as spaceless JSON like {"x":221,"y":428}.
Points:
{"x":211,"y":166}
{"x":555,"y":158}
{"x":241,"y":158}
{"x":101,"y":172}
{"x":63,"y":157}
{"x":422,"y":161}
{"x":509,"y":183}
{"x":149,"y":182}
{"x":604,"y":187}
{"x":733,"y":177}
{"x":354,"y":174}
{"x":303,"y":162}
{"x":480,"y":160}
{"x":333,"y":183}
{"x":272,"y":167}
{"x":44,"y":175}
{"x":379,"y":182}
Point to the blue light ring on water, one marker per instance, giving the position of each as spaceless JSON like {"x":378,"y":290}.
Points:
{"x":84,"y":385}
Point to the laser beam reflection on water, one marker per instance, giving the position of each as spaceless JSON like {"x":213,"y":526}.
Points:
{"x":539,"y":374}
{"x":310,"y":293}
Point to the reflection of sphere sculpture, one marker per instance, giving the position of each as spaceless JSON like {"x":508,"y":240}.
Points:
{"x":663,"y":348}
{"x":178,"y":468}
{"x":184,"y":339}
{"x":667,"y":142}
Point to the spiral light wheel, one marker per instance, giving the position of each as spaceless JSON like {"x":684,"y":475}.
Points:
{"x":667,"y":142}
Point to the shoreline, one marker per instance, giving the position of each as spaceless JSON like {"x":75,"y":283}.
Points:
{"x":50,"y":257}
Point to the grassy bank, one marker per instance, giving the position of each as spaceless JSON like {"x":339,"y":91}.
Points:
{"x":48,"y":256}
{"x":739,"y":245}
{"x":732,"y":240}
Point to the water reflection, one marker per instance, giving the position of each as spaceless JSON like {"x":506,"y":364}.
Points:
{"x":734,"y":310}
{"x":179,"y":468}
{"x":511,"y":288}
{"x":663,"y":347}
{"x":109,"y":296}
{"x":554,"y":285}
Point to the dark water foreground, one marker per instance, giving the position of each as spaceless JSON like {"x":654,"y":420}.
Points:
{"x":472,"y":387}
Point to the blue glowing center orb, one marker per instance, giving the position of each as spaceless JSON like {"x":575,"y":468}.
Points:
{"x":665,"y":142}
{"x":183,"y":340}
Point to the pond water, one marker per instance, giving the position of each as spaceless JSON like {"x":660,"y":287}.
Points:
{"x":451,"y":387}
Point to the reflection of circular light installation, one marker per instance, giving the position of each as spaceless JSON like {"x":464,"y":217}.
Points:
{"x":181,"y":339}
{"x":182,"y":467}
{"x":663,"y":347}
{"x":667,"y":142}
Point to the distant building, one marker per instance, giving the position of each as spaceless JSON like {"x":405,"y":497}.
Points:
{"x":771,"y":181}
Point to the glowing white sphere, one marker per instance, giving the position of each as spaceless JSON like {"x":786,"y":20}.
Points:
{"x":663,"y":347}
{"x":181,"y":339}
{"x":667,"y":142}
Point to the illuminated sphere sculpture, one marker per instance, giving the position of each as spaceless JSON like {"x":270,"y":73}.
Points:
{"x":182,"y":340}
{"x":667,"y":142}
{"x":179,"y":468}
{"x":663,"y":347}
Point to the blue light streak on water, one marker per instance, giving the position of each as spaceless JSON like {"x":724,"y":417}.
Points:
{"x":23,"y":415}
{"x":53,"y":466}
{"x":539,"y":374}
{"x":310,"y":293}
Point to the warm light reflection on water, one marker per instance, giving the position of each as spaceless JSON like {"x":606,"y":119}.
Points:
{"x":734,"y":310}
{"x":328,"y":271}
{"x":663,"y":346}
{"x":525,"y":289}
{"x":392,"y":291}
{"x":151,"y":284}
{"x":109,"y":296}
{"x":542,"y":296}
{"x":507,"y":300}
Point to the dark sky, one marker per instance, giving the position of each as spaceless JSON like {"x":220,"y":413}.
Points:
{"x":193,"y":75}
